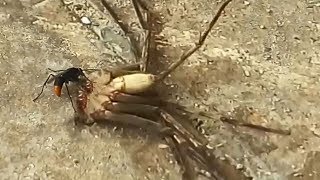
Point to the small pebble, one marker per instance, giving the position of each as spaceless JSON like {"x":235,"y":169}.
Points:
{"x":296,"y":37}
{"x":239,"y":166}
{"x":76,"y":161}
{"x":269,"y":10}
{"x":85,"y":20}
{"x":219,"y":145}
{"x":247,"y":73}
{"x":162,"y":146}
{"x":206,"y":173}
{"x":31,"y":166}
{"x":262,"y":27}
{"x":209,"y":147}
{"x":297,"y":174}
{"x":261,"y":71}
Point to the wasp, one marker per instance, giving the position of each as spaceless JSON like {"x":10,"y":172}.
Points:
{"x":64,"y":77}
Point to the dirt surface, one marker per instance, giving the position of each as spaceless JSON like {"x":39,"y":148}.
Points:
{"x":259,"y":65}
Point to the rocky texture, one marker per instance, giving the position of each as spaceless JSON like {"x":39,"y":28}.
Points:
{"x":259,"y":65}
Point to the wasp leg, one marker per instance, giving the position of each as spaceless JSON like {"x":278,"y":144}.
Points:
{"x":70,"y":97}
{"x":44,"y":84}
{"x":130,"y":120}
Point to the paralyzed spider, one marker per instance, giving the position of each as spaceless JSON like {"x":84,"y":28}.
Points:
{"x":117,"y":96}
{"x":109,"y":85}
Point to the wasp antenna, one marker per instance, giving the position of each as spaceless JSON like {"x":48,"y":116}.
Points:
{"x":56,"y":71}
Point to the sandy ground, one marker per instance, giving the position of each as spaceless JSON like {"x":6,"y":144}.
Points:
{"x":259,"y":65}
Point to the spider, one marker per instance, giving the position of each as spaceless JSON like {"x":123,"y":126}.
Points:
{"x":119,"y":95}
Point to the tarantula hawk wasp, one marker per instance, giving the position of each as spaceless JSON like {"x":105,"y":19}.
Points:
{"x":64,"y":77}
{"x":74,"y":75}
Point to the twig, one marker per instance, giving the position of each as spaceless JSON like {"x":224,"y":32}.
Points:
{"x":114,"y":15}
{"x":145,"y":25}
{"x":124,"y":28}
{"x":181,"y":147}
{"x":145,"y":50}
{"x":136,"y":5}
{"x":143,"y":5}
{"x":188,"y":53}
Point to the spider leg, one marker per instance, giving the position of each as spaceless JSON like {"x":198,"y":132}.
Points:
{"x":134,"y":99}
{"x":191,"y":136}
{"x":186,"y":146}
{"x":141,"y":110}
{"x":44,"y":84}
{"x":131,"y":120}
{"x":152,"y":112}
{"x":124,"y":70}
{"x":181,"y":153}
